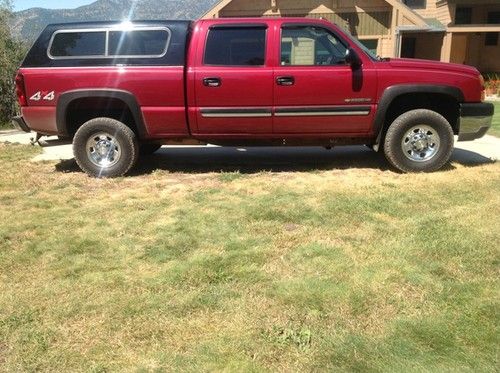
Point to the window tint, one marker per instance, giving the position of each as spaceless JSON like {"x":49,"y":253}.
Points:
{"x":311,"y":46}
{"x":236,"y":46}
{"x":79,"y":44}
{"x":138,"y":43}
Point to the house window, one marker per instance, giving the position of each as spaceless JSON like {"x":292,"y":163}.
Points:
{"x":463,"y":16}
{"x":492,"y":37}
{"x":416,"y":4}
{"x":494,"y":18}
{"x":371,"y":44}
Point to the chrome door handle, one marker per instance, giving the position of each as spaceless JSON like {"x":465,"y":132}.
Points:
{"x":285,"y":80}
{"x":212,"y":82}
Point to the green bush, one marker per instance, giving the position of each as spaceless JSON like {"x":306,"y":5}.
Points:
{"x":11,"y":53}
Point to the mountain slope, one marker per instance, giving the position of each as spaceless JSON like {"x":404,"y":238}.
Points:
{"x":27,"y":24}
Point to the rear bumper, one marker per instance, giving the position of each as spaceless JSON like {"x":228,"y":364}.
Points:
{"x":20,"y":124}
{"x":475,"y":120}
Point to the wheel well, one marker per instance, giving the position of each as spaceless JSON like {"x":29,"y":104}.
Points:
{"x":82,"y":110}
{"x":443,"y":104}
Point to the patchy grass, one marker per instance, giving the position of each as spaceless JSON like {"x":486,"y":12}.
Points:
{"x":349,"y":270}
{"x":495,"y":127}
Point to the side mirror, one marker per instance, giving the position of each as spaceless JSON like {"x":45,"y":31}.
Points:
{"x":353,"y":59}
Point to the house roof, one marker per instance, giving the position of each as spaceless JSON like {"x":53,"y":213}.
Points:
{"x":435,"y":24}
{"x":409,"y":14}
{"x":412,"y":16}
{"x":216,"y":8}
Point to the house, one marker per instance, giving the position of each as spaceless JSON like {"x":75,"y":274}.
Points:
{"x":460,"y":31}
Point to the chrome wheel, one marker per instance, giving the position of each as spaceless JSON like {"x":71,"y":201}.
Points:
{"x":421,"y":143}
{"x":103,"y":150}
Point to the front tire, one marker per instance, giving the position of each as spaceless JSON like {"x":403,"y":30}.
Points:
{"x":419,"y":141}
{"x":105,"y":147}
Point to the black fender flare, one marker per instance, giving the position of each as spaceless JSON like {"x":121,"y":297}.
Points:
{"x":392,"y":92}
{"x":68,"y":97}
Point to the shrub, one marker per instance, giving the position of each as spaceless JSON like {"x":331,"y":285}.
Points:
{"x":492,"y":83}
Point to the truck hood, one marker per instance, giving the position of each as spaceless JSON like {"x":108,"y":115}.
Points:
{"x":412,"y":64}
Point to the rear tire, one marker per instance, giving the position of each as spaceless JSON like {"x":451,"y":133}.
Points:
{"x":419,"y":141}
{"x":105,"y":147}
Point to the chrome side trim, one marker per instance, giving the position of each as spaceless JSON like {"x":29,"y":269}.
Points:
{"x":285,"y":112}
{"x":321,"y":113}
{"x":117,"y":66}
{"x":237,"y":113}
{"x":314,"y":111}
{"x":106,"y":45}
{"x":358,"y":100}
{"x":106,"y":31}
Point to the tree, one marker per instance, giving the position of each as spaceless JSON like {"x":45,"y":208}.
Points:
{"x":11,"y":52}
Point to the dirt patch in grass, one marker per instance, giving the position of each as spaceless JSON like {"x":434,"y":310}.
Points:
{"x":3,"y":353}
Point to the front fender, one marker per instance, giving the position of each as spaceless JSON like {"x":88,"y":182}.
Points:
{"x":393,"y":92}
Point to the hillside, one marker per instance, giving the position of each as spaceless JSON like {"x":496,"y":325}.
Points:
{"x":27,"y":24}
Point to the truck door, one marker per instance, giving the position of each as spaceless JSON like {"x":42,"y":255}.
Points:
{"x":233,"y":80}
{"x":315,"y":90}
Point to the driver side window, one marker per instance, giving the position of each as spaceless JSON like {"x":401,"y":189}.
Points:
{"x":310,"y":46}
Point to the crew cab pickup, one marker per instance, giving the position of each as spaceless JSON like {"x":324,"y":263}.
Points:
{"x":116,"y":90}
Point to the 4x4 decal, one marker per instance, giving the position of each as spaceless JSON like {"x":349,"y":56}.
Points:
{"x":43,"y":95}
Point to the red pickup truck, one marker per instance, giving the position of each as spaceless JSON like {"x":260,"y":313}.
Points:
{"x":118,"y":90}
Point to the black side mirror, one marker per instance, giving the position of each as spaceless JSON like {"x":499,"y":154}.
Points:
{"x":353,"y":59}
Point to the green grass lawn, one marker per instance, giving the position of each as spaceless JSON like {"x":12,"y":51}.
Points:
{"x":351,"y":270}
{"x":495,"y":128}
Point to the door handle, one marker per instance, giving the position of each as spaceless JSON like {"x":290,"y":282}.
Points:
{"x":212,"y":82}
{"x":285,"y":80}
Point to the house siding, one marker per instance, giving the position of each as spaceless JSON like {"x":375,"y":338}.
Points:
{"x":429,"y":11}
{"x":443,"y":13}
{"x":380,"y":20}
{"x":360,"y":24}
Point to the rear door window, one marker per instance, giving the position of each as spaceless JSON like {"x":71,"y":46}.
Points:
{"x":236,"y":46}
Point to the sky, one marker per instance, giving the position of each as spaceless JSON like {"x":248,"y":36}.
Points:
{"x":52,"y":4}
